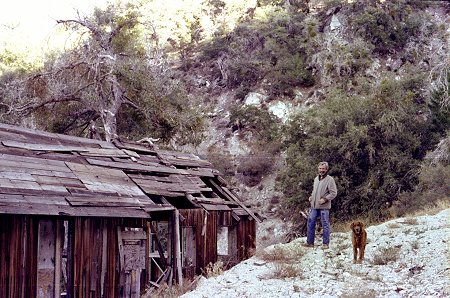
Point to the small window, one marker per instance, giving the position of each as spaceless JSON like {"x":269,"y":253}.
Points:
{"x":162,"y":233}
{"x":222,"y":241}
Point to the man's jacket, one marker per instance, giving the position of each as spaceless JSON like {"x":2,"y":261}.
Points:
{"x":325,"y":188}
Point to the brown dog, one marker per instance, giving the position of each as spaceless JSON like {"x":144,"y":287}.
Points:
{"x":359,"y":240}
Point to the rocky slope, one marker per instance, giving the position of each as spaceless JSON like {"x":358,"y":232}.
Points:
{"x":427,"y":54}
{"x":406,"y":257}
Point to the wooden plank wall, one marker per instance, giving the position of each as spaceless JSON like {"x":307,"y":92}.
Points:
{"x":18,"y":257}
{"x":46,"y":258}
{"x":246,"y":238}
{"x":206,"y":236}
{"x":89,"y":267}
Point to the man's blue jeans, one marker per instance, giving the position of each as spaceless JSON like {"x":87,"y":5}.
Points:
{"x":325,"y":219}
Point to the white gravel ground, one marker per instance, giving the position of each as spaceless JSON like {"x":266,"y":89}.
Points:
{"x":420,"y":267}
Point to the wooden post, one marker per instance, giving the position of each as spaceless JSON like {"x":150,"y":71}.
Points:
{"x":104,"y":258}
{"x":121,"y":261}
{"x":178,"y":247}
{"x":46,"y":254}
{"x":70,"y":257}
{"x":148,"y":261}
{"x":24,"y":254}
{"x":58,"y":259}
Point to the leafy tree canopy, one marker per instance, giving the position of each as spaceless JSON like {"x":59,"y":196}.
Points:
{"x":374,"y":144}
{"x":112,"y":82}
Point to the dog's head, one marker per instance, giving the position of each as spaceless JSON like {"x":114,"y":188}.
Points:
{"x":357,"y":227}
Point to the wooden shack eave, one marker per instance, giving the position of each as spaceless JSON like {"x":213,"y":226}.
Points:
{"x":68,"y":211}
{"x":50,"y":174}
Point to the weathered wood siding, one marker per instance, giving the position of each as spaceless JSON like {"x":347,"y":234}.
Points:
{"x":246,"y":238}
{"x":206,"y":226}
{"x":18,"y":256}
{"x":90,"y":244}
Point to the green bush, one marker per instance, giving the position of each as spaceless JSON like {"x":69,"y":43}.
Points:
{"x":290,"y":71}
{"x":263,"y":124}
{"x":387,"y":27}
{"x":374,"y":143}
{"x":271,"y":50}
{"x":429,"y":193}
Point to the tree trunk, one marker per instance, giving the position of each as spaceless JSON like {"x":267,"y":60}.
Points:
{"x":111,"y":108}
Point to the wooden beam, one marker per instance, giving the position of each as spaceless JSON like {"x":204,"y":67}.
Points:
{"x":46,"y":253}
{"x":212,"y":207}
{"x":104,"y":260}
{"x":178,"y":248}
{"x":122,"y":276}
{"x":192,"y":200}
{"x":58,"y":259}
{"x":235,"y":216}
{"x":120,"y":246}
{"x":70,"y":257}
{"x":148,"y":262}
{"x":228,"y":194}
{"x":43,"y":147}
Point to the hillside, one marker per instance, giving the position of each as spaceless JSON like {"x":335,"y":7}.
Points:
{"x":406,"y":257}
{"x":256,"y":80}
{"x":264,"y":90}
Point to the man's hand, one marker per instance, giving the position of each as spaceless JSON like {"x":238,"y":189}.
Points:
{"x":322,"y":201}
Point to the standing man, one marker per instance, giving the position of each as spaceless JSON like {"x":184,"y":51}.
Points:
{"x":324,"y":190}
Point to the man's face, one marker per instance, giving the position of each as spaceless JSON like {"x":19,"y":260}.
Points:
{"x":322,"y":170}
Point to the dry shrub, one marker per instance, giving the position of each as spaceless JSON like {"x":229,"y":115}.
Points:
{"x":280,"y":255}
{"x":221,"y":160}
{"x":386,"y":255}
{"x":274,"y":200}
{"x":253,"y":167}
{"x":410,"y":221}
{"x":430,"y":196}
{"x":393,"y":226}
{"x":166,"y":291}
{"x":212,"y":270}
{"x":286,"y":271}
{"x":364,"y":292}
{"x":270,"y":239}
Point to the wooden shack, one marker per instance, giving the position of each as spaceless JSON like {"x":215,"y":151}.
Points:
{"x":87,"y":218}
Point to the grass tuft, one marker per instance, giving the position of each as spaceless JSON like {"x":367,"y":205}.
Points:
{"x":386,"y":255}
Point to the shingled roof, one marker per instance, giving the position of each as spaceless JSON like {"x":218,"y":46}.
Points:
{"x":53,"y":174}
